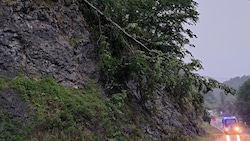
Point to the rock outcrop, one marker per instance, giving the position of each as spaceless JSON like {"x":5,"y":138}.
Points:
{"x":164,"y":116}
{"x":39,"y":40}
{"x":13,"y":104}
{"x":45,"y":39}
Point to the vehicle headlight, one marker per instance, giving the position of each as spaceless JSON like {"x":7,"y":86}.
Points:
{"x":236,"y":128}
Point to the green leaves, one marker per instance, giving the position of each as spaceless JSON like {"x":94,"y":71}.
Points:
{"x":243,"y":100}
{"x":145,"y":40}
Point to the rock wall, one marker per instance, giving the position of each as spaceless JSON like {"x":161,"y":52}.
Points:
{"x":13,"y":104}
{"x":45,"y":39}
{"x":163,"y":117}
{"x":37,"y":40}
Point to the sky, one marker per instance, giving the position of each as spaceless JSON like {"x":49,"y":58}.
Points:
{"x":223,"y":43}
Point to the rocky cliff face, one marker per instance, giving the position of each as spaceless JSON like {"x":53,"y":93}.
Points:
{"x":45,"y":39}
{"x":166,"y":117}
{"x":37,"y":40}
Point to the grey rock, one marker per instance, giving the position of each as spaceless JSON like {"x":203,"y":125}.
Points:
{"x":13,"y":105}
{"x":164,"y":117}
{"x":41,"y":41}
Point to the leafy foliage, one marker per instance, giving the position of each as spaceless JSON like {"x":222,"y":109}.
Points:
{"x":218,"y":101}
{"x":144,"y":41}
{"x":243,"y":101}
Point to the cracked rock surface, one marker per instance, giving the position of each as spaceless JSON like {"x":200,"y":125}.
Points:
{"x":39,"y":41}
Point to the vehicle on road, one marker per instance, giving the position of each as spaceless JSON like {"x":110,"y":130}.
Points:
{"x":231,"y":125}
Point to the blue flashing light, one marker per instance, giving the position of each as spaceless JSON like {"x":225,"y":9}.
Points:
{"x":229,"y":117}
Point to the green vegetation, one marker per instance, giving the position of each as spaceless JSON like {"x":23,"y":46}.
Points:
{"x":212,"y":133}
{"x":57,"y":113}
{"x":145,"y":41}
{"x":216,"y":100}
{"x":243,"y":102}
{"x":158,"y":58}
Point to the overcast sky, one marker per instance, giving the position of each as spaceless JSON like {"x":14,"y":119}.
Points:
{"x":223,"y":43}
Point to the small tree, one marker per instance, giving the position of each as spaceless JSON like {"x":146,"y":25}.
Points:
{"x":243,"y":101}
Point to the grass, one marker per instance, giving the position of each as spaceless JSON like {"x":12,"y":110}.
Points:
{"x":213,"y":133}
{"x":57,"y":113}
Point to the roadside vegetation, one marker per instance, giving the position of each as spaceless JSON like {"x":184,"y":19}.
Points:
{"x":242,"y":102}
{"x":212,"y":133}
{"x":218,"y":102}
{"x":57,"y":113}
{"x":140,"y":41}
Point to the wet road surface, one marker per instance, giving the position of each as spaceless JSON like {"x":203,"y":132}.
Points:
{"x":240,"y":137}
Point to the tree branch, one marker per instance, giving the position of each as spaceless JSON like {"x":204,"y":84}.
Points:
{"x":116,"y":25}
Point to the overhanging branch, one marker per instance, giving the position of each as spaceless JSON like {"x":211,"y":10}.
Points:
{"x":116,"y":25}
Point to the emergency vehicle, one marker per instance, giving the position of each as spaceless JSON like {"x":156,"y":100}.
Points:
{"x":230,"y":125}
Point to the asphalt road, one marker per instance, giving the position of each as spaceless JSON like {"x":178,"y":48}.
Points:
{"x":241,"y":137}
{"x":244,"y":136}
